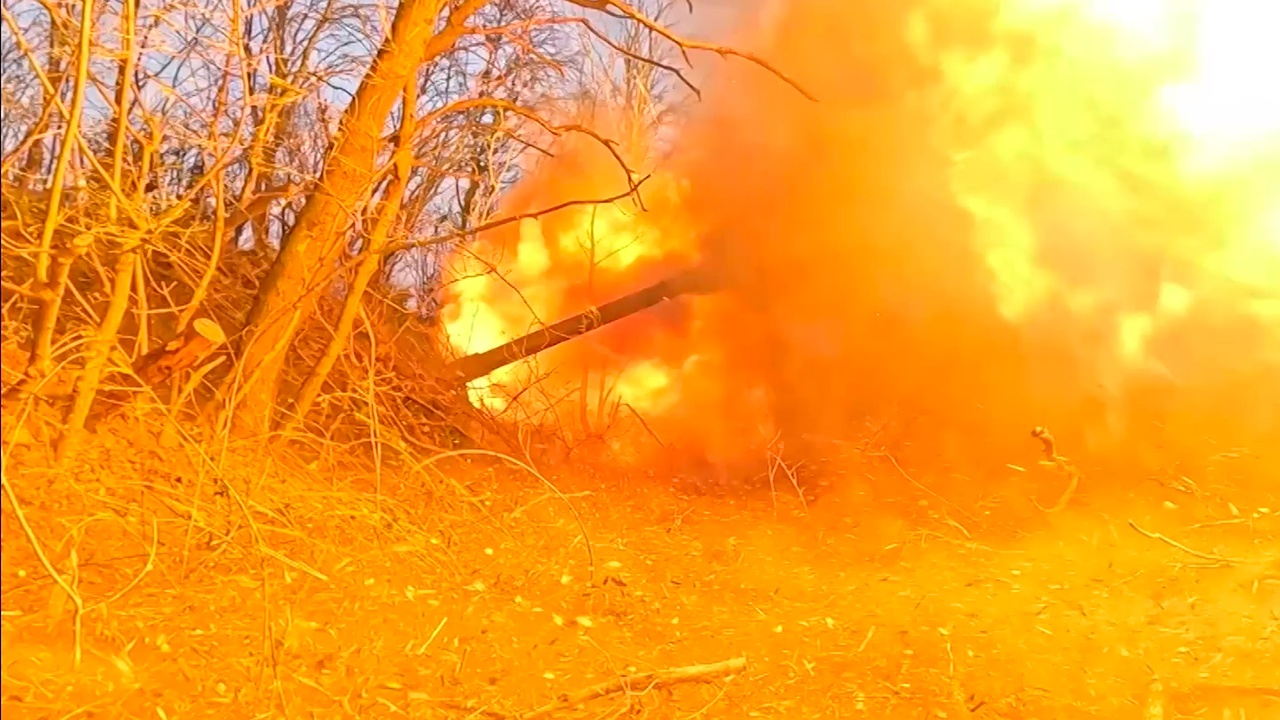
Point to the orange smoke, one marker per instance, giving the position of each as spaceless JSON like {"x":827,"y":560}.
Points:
{"x":1000,"y":215}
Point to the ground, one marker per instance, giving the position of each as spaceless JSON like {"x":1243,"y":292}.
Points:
{"x":284,"y":587}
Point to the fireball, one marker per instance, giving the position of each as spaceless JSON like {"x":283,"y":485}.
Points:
{"x":1118,"y":161}
{"x":556,"y":266}
{"x":1156,"y":118}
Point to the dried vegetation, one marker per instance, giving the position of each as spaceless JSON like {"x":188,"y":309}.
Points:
{"x":177,"y":546}
{"x":282,"y":585}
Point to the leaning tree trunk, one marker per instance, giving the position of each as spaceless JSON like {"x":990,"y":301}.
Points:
{"x":369,"y":264}
{"x":310,"y":252}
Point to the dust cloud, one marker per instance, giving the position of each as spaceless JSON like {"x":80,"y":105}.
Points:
{"x":866,"y":293}
{"x":976,"y":230}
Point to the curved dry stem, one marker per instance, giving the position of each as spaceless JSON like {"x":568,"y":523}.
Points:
{"x":621,"y":50}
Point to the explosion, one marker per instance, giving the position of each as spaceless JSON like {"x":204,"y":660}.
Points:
{"x":996,"y":317}
{"x":560,"y":264}
{"x":998,"y":215}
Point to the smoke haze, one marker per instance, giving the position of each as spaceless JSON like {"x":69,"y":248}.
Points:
{"x":964,"y":238}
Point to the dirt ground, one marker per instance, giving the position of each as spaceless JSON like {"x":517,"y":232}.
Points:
{"x":279,"y":590}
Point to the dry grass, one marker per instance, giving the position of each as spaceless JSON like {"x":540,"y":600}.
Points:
{"x":279,"y":590}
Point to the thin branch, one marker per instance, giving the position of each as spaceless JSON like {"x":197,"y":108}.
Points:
{"x":686,"y":44}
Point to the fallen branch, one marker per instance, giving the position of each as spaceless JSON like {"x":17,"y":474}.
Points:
{"x":640,"y":681}
{"x":1063,"y":464}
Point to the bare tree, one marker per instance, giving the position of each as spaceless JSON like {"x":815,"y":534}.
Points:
{"x":314,"y":244}
{"x":422,"y":33}
{"x":176,"y":168}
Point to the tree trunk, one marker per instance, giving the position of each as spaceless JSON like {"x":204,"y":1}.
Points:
{"x":369,"y":265}
{"x":53,"y":286}
{"x":309,"y":254}
{"x":104,"y":340}
{"x":99,"y":351}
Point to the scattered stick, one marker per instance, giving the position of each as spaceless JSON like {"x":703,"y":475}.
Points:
{"x":870,"y":633}
{"x":775,"y":462}
{"x":1215,"y":557}
{"x":1073,"y":475}
{"x":640,"y":681}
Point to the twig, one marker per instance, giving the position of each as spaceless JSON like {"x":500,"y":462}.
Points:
{"x":645,"y":425}
{"x":870,"y":632}
{"x":510,"y":220}
{"x":686,"y":45}
{"x":647,"y":680}
{"x":774,"y":461}
{"x":714,"y":700}
{"x":1215,"y":557}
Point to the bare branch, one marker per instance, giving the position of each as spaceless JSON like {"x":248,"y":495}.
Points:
{"x":686,"y":44}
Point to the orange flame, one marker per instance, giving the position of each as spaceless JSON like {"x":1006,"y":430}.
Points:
{"x":1129,"y":76}
{"x":560,"y":264}
{"x":999,"y":214}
